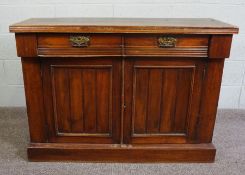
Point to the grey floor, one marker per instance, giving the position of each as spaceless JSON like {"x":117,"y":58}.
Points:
{"x":229,"y":138}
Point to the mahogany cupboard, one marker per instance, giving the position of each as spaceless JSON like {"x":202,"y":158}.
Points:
{"x":123,"y":90}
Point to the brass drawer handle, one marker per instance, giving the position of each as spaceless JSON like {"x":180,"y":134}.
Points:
{"x":167,"y":42}
{"x":79,"y":41}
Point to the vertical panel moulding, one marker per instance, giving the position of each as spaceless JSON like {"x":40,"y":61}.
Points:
{"x":83,"y":119}
{"x":123,"y":106}
{"x":161,"y":100}
{"x":69,"y":96}
{"x":147,"y":99}
{"x":95,"y":99}
{"x":175,"y":99}
{"x":110,"y":104}
{"x":134,"y":99}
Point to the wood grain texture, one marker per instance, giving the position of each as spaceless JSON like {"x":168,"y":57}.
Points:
{"x":83,"y":92}
{"x":34,"y":99}
{"x":124,"y":25}
{"x":26,"y":45}
{"x":161,"y":98}
{"x":103,"y":101}
{"x":61,"y":96}
{"x":63,"y":40}
{"x":170,"y":78}
{"x":123,"y":97}
{"x":147,"y":44}
{"x":182,"y":103}
{"x":141,"y":100}
{"x":220,"y":46}
{"x":76,"y":100}
{"x":54,"y":45}
{"x":209,"y":100}
{"x":89,"y":107}
{"x":154,"y":101}
{"x":135,"y":153}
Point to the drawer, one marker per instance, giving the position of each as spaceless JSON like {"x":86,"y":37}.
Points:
{"x":165,"y":45}
{"x":73,"y":45}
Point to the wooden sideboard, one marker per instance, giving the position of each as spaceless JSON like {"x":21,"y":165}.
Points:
{"x":122,"y":90}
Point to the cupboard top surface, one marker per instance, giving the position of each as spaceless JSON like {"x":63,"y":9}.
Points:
{"x":124,"y":25}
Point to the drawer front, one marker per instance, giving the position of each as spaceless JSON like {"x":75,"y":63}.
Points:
{"x":165,"y":45}
{"x":53,"y":45}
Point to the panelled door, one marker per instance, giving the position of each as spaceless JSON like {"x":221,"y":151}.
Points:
{"x":82,"y":99}
{"x":162,"y":99}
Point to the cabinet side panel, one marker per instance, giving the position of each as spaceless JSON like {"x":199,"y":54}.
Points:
{"x":34,"y":99}
{"x":209,"y":100}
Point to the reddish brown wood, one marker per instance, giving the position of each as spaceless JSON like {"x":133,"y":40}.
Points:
{"x":122,"y":97}
{"x":103,"y":96}
{"x":26,"y":45}
{"x":186,"y":45}
{"x":63,"y":40}
{"x":209,"y":100}
{"x":185,"y":80}
{"x":135,"y":153}
{"x":124,"y":25}
{"x":53,"y":45}
{"x":141,"y":101}
{"x":153,"y":101}
{"x":89,"y":100}
{"x":34,"y":99}
{"x":76,"y":100}
{"x":92,"y":114}
{"x":220,"y":46}
{"x":169,"y":90}
{"x":184,"y":93}
{"x":61,"y":98}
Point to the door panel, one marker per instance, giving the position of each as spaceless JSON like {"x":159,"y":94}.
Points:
{"x":83,"y":100}
{"x":161,"y":97}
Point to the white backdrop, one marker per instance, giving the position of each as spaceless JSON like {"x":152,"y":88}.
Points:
{"x":231,"y":11}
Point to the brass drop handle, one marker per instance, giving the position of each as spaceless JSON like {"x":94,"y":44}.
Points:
{"x":79,"y":41}
{"x":167,"y":42}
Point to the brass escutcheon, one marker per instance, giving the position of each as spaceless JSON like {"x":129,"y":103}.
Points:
{"x":79,"y":41}
{"x":167,"y":42}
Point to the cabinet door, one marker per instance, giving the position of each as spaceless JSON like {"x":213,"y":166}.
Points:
{"x":82,"y":99}
{"x":162,"y":99}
